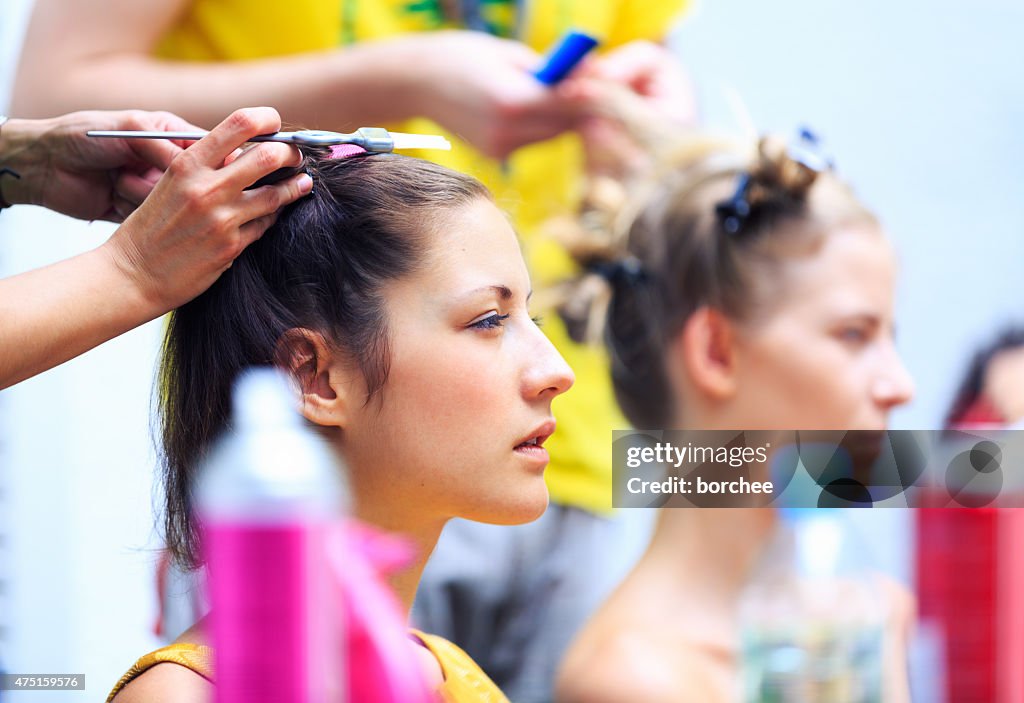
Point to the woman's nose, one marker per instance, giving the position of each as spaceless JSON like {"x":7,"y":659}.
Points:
{"x":549,"y":374}
{"x":894,"y":385}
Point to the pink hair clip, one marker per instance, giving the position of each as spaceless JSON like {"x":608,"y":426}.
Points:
{"x":343,"y":151}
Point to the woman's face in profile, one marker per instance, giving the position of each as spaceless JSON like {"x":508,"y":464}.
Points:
{"x":467,"y":403}
{"x":825,"y":357}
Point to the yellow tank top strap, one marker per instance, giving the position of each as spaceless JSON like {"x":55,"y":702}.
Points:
{"x":464,"y":681}
{"x":196,"y":657}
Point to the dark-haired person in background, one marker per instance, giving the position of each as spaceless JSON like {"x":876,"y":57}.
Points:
{"x":973,"y":551}
{"x":992,"y":391}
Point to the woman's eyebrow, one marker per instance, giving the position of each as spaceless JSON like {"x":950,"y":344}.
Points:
{"x":868,"y":317}
{"x":503,"y":292}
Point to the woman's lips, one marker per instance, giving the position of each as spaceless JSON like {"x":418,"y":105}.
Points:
{"x":532,"y":447}
{"x":535,"y":453}
{"x":540,"y":434}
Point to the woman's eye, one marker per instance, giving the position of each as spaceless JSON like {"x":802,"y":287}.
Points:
{"x":490,"y":322}
{"x":538,"y":320}
{"x":853,"y":335}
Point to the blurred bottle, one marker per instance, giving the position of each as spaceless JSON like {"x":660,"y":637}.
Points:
{"x":270,"y":494}
{"x":812,"y":618}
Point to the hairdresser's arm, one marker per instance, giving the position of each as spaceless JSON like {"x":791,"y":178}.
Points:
{"x":197,"y":219}
{"x":98,"y":54}
{"x":55,"y":165}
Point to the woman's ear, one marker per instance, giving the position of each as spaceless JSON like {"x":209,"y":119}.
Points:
{"x":323,"y":383}
{"x":706,"y":350}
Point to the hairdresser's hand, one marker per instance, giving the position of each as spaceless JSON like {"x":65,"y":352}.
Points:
{"x":92,"y":179}
{"x":651,"y":72}
{"x":637,"y":95}
{"x":482,"y":89}
{"x":199,"y":216}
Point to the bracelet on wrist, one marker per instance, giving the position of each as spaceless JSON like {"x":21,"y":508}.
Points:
{"x":5,"y":171}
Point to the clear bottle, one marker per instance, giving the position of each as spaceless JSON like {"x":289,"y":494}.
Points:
{"x":812,"y":617}
{"x":269,"y":495}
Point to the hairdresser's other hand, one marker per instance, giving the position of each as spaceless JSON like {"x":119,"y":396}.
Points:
{"x":481,"y":88}
{"x":636,"y":95}
{"x":199,"y":216}
{"x":92,"y":179}
{"x":652,"y":72}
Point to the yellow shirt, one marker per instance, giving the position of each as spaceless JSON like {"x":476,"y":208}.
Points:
{"x":538,"y":182}
{"x":464,"y":682}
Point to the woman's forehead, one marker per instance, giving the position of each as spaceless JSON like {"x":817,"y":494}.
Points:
{"x":471,"y":253}
{"x":852,"y":272}
{"x":475,"y":239}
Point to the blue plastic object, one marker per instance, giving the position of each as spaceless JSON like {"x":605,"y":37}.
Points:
{"x":564,"y":57}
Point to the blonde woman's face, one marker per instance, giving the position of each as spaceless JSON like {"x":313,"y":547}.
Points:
{"x":471,"y":380}
{"x":825,"y":358}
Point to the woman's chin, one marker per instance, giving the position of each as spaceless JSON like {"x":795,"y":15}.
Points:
{"x":528,"y":506}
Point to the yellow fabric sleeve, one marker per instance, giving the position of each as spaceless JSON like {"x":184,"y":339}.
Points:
{"x":641,"y":19}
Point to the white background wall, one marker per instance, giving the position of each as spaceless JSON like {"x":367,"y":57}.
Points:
{"x":922,"y":105}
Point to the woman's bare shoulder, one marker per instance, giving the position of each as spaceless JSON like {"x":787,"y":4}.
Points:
{"x":166,"y":683}
{"x":627,"y":664}
{"x":644,"y":664}
{"x":170,"y":682}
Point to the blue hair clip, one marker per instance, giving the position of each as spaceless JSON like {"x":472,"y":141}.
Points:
{"x":805,"y":151}
{"x":733,"y":213}
{"x":626,"y":271}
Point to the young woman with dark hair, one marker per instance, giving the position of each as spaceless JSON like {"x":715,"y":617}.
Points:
{"x":396,"y":297}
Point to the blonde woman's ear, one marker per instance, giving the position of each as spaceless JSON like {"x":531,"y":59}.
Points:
{"x":706,"y":352}
{"x":323,"y":385}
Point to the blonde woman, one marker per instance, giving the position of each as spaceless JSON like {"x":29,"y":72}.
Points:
{"x":748,"y":291}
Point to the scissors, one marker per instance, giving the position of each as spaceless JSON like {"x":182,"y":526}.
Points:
{"x":369,"y":138}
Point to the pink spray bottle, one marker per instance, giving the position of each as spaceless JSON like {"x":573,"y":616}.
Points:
{"x":270,"y":495}
{"x":300,"y":610}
